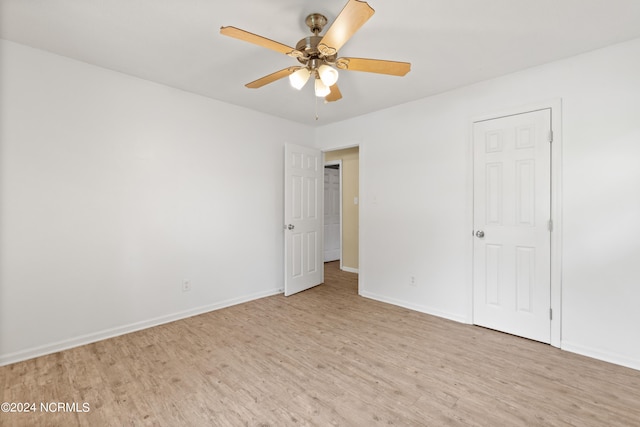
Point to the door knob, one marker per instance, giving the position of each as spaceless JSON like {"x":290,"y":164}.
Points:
{"x":291,"y":227}
{"x":480,"y":234}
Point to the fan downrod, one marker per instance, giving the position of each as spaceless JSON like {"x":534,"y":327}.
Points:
{"x":316,"y":22}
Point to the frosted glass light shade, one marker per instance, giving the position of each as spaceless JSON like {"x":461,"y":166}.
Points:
{"x":322,"y":90}
{"x":328,"y":75}
{"x":299,"y":78}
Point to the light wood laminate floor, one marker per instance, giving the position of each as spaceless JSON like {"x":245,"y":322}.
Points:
{"x":323,"y":357}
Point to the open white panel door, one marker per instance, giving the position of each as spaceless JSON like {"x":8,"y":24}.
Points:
{"x":303,"y":212}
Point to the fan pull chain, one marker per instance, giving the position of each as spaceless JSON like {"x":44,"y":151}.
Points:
{"x":316,"y":107}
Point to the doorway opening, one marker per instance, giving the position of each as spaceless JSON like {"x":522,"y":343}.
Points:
{"x":304,"y":214}
{"x":341,"y":207}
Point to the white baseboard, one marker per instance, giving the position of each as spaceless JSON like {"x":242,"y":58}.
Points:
{"x":414,"y":307}
{"x":567,"y":346}
{"x":349,"y":269}
{"x":55,"y":347}
{"x":600,"y":355}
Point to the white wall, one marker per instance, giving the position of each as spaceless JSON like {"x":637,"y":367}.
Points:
{"x":114,"y":190}
{"x":416,"y":196}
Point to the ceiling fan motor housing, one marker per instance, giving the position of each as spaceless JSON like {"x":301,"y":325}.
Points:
{"x":309,"y":47}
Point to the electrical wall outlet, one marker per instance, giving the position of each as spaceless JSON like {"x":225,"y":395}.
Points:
{"x":186,"y":285}
{"x":412,"y":281}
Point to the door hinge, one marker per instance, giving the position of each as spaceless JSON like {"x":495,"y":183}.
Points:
{"x":551,"y":314}
{"x":550,"y":136}
{"x":550,"y":225}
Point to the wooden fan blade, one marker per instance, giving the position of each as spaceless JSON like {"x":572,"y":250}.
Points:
{"x":379,"y":66}
{"x":352,"y":17}
{"x":246,"y":36}
{"x":334,"y":95}
{"x":272,"y":77}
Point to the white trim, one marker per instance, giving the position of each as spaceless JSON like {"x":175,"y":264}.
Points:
{"x":601,"y":355}
{"x":342,"y":146}
{"x":555,"y":105}
{"x":556,"y":217}
{"x":349,"y":269}
{"x":470,"y":241}
{"x":55,"y":347}
{"x":361,"y":185}
{"x":414,"y":307}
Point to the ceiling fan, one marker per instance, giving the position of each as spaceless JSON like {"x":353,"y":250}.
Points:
{"x":319,"y":54}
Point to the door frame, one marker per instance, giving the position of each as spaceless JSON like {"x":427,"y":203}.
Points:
{"x":344,"y":146}
{"x":333,"y":163}
{"x":555,"y":105}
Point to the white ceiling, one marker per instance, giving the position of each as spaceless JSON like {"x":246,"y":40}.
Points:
{"x":450,"y":43}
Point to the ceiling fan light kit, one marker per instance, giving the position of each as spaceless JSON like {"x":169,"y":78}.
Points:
{"x":321,"y":89}
{"x":319,"y":54}
{"x":299,"y":78}
{"x":328,"y":75}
